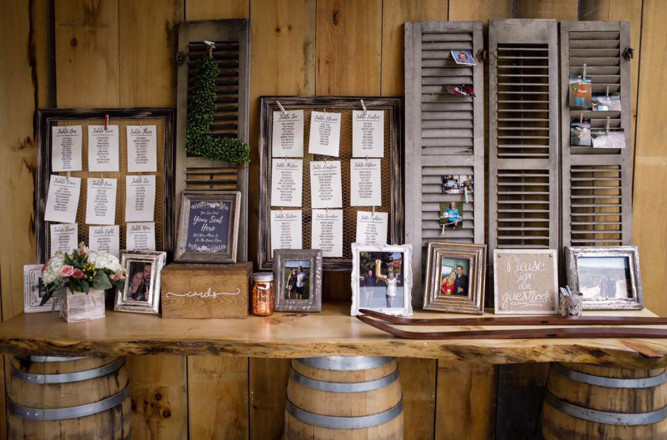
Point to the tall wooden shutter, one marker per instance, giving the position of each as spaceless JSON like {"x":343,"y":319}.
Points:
{"x":444,"y":135}
{"x":232,"y":53}
{"x":597,"y":183}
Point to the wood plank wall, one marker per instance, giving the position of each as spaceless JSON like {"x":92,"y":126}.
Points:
{"x":91,"y":53}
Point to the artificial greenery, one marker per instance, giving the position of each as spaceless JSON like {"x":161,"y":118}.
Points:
{"x":201,"y":108}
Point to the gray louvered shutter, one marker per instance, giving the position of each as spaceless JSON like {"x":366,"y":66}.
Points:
{"x":232,"y":53}
{"x":444,"y":135}
{"x":597,"y":183}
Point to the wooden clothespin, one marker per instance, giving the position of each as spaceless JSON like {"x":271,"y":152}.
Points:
{"x":607,"y":91}
{"x":581,"y":117}
{"x":280,"y":106}
{"x":608,"y":123}
{"x":583,"y":75}
{"x":106,"y":122}
{"x":209,"y":49}
{"x":364,"y":107}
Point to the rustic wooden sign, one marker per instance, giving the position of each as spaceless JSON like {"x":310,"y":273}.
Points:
{"x":525,"y":282}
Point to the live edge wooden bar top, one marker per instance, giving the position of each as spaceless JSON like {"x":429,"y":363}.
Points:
{"x":290,"y":335}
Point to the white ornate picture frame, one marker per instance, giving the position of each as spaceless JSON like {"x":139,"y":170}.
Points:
{"x":32,"y":277}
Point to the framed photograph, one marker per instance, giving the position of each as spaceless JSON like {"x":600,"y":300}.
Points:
{"x":525,"y":281}
{"x":141,"y":292}
{"x":455,"y":275}
{"x":297,"y":274}
{"x":32,"y":293}
{"x":608,"y":277}
{"x":208,"y":227}
{"x":382,"y":278}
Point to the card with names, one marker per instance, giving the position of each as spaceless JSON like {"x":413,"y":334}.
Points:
{"x":66,"y":147}
{"x":287,"y":137}
{"x":140,"y":236}
{"x":104,"y":238}
{"x":64,"y":237}
{"x":101,"y":202}
{"x":372,"y":228}
{"x":141,"y":148}
{"x":62,"y":200}
{"x":324,"y":133}
{"x":325,"y":185}
{"x":139,"y":198}
{"x":368,"y":133}
{"x":286,"y":229}
{"x":327,"y":232}
{"x":287,"y":182}
{"x":365,"y":182}
{"x":102,"y":148}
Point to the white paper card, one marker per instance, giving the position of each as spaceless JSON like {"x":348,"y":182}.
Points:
{"x":102,"y":148}
{"x":101,"y":202}
{"x":328,"y":232}
{"x":64,"y":238}
{"x":141,"y":148}
{"x":62,"y":200}
{"x":66,"y":148}
{"x":368,"y":133}
{"x":372,"y":229}
{"x":287,"y":137}
{"x":287,"y":182}
{"x":104,"y":238}
{"x":286,"y":229}
{"x":325,"y":185}
{"x":324,"y":133}
{"x":365,"y":182}
{"x":139,"y":198}
{"x":140,"y":236}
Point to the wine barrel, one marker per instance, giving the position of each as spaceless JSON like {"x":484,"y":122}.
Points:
{"x":336,"y":397}
{"x":598,"y":402}
{"x":71,"y":398}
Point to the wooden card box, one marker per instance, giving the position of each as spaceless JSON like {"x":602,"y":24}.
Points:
{"x":206,"y":290}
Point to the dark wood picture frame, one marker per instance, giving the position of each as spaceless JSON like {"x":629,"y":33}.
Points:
{"x":314,"y":301}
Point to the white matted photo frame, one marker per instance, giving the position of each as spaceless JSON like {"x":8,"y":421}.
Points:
{"x":382,"y":279}
{"x":32,"y":293}
{"x":455,"y":277}
{"x":607,"y":276}
{"x":297,"y":274}
{"x":208,"y":227}
{"x":141,"y":291}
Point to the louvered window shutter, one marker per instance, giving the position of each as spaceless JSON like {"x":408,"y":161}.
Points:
{"x":232,"y":55}
{"x":444,"y":135}
{"x":597,"y":183}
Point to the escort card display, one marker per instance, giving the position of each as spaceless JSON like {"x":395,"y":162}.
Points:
{"x":141,"y":148}
{"x":288,"y":134}
{"x":372,"y":228}
{"x":63,"y":199}
{"x":66,"y":148}
{"x":324,"y":134}
{"x":101,"y":202}
{"x":328,"y":232}
{"x":140,"y":236}
{"x":139,"y":198}
{"x":105,"y":238}
{"x":368,"y":134}
{"x":64,"y":238}
{"x":325,"y":185}
{"x":287,"y":229}
{"x":102,"y":148}
{"x":287,"y":184}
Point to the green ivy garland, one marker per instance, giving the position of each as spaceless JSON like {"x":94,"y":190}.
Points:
{"x":201,"y":108}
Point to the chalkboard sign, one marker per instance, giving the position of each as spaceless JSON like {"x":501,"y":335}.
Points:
{"x":208,"y":227}
{"x":525,"y":282}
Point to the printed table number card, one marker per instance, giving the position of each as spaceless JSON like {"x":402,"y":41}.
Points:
{"x":372,"y":228}
{"x":365,"y":182}
{"x":62,"y":200}
{"x":140,"y":236}
{"x":104,"y":238}
{"x":324,"y":133}
{"x":141,"y":148}
{"x":327,"y":232}
{"x":286,"y":229}
{"x":526,"y":282}
{"x":102,"y":148}
{"x":325,"y":185}
{"x":66,"y":148}
{"x":287,"y":182}
{"x":139,"y":198}
{"x":101,"y":202}
{"x":368,"y":133}
{"x":288,"y":134}
{"x":64,"y":238}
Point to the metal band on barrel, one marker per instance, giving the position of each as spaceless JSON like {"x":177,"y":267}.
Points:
{"x":346,"y":363}
{"x":608,"y":418}
{"x":77,"y":376}
{"x":336,"y":422}
{"x":344,"y":387}
{"x":609,"y":382}
{"x":57,"y":358}
{"x":71,"y":412}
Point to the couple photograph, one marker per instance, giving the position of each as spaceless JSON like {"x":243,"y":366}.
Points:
{"x":296,"y":282}
{"x":140,"y":281}
{"x":454,"y":276}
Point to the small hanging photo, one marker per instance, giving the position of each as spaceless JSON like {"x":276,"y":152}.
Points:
{"x":463,"y":57}
{"x":580,"y":134}
{"x":581,"y":92}
{"x":608,"y":139}
{"x":451,"y":215}
{"x":606,"y":103}
{"x":457,"y":184}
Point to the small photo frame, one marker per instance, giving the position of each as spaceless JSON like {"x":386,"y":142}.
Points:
{"x":581,"y":92}
{"x":382,"y":279}
{"x":455,"y":277}
{"x":457,"y":184}
{"x":608,"y":139}
{"x":608,"y":277}
{"x":208,"y":227}
{"x":606,"y":103}
{"x":580,"y":134}
{"x":32,"y":293}
{"x":141,"y":291}
{"x":463,"y":56}
{"x":297,"y":274}
{"x":451,"y":215}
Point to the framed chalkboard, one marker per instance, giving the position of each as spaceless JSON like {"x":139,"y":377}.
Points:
{"x":208,"y":227}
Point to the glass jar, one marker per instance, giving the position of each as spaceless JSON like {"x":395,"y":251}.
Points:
{"x":263,"y":294}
